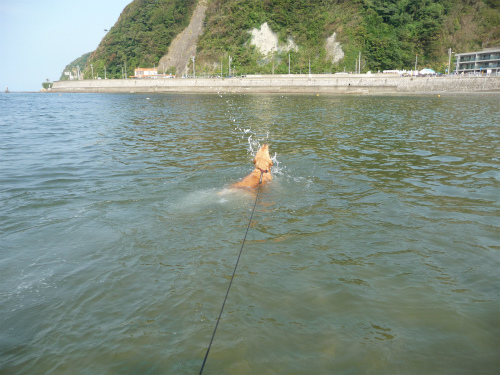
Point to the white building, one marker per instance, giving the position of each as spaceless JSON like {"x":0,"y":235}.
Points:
{"x":487,"y":61}
{"x":145,"y":72}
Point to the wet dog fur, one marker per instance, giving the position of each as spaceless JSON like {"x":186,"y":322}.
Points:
{"x":261,"y":173}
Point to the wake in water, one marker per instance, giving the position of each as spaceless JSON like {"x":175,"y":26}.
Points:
{"x":204,"y":199}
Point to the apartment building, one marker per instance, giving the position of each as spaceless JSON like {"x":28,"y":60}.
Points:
{"x":486,"y":61}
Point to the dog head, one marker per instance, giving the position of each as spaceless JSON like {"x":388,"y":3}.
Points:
{"x":262,"y":159}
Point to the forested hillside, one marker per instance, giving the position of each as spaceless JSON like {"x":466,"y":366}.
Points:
{"x":389,"y":34}
{"x":141,"y":36}
{"x":79,"y":63}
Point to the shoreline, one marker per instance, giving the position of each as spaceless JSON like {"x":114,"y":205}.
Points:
{"x":361,"y":84}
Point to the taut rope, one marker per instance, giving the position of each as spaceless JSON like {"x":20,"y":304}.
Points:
{"x":232,"y":277}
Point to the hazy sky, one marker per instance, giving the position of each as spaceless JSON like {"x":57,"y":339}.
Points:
{"x":38,"y":38}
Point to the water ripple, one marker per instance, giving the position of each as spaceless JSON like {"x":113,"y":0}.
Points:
{"x":374,"y":249}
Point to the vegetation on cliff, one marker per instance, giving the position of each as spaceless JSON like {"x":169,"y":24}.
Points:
{"x":75,"y":65}
{"x":308,"y":23}
{"x":389,"y":34}
{"x":140,"y":37}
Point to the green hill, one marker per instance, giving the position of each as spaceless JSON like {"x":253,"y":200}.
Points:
{"x":79,"y":63}
{"x":388,"y":34}
{"x":140,"y":37}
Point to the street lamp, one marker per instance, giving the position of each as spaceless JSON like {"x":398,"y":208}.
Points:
{"x":449,"y":59}
{"x":357,"y":70}
{"x":272,"y":51}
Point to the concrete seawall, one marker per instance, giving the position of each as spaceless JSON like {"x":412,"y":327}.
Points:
{"x":335,"y":84}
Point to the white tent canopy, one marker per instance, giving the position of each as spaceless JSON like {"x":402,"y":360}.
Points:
{"x":427,"y":71}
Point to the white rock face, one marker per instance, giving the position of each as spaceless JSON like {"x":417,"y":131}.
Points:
{"x":333,"y":49}
{"x":290,"y":46}
{"x":266,"y":41}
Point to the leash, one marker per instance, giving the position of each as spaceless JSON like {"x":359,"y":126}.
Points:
{"x":232,"y":277}
{"x":262,"y":174}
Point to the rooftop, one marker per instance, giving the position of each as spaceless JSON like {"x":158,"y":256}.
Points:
{"x":486,"y":50}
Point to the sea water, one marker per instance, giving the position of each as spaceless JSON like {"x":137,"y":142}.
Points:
{"x":374,"y":250}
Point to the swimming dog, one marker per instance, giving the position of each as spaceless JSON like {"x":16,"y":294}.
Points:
{"x":261,"y":173}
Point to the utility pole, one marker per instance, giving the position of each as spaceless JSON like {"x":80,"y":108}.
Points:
{"x":273,"y":59}
{"x":104,"y":72}
{"x":194,"y":70}
{"x":416,"y":59}
{"x":309,"y":66}
{"x":229,"y":72}
{"x":92,"y":67}
{"x":359,"y":70}
{"x":289,"y":64}
{"x":125,"y":70}
{"x":449,"y":60}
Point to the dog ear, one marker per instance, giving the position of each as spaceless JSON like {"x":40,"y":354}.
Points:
{"x":254,"y":160}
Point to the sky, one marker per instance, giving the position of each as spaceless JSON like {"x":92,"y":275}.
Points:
{"x":38,"y":38}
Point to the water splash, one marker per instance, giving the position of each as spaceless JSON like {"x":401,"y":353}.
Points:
{"x":253,"y":138}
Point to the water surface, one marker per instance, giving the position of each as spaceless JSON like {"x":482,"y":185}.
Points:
{"x":373,"y":251}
